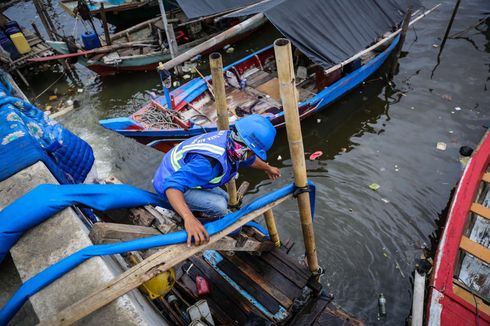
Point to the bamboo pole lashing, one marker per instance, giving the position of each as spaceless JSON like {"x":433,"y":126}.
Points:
{"x":289,"y":98}
{"x":216,"y":65}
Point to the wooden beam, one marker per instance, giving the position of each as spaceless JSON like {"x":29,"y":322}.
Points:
{"x":486,"y":177}
{"x":480,"y":210}
{"x":475,"y":249}
{"x":115,"y":232}
{"x":470,"y":298}
{"x":102,"y":233}
{"x":144,"y":271}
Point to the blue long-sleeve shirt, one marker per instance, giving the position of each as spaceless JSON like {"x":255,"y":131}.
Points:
{"x":197,"y":171}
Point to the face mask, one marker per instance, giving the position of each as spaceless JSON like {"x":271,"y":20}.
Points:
{"x":237,"y":150}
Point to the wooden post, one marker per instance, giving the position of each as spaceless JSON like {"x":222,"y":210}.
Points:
{"x":104,"y":24}
{"x":44,"y":20}
{"x":272,"y":228}
{"x":289,"y":98}
{"x":169,"y":32}
{"x":450,"y":24}
{"x":403,"y":34}
{"x":216,"y":65}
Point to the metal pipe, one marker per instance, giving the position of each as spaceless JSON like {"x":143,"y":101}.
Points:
{"x":289,"y":98}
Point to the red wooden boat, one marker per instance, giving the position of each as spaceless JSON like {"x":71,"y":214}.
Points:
{"x":460,"y":286}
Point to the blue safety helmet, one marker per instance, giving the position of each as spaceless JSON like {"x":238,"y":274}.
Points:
{"x":257,"y":132}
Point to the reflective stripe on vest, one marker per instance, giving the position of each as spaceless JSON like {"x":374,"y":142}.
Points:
{"x":177,"y":154}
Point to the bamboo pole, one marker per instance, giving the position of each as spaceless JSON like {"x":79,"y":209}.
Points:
{"x":289,"y":98}
{"x":216,"y":64}
{"x":272,"y":228}
{"x":245,"y":26}
{"x":44,"y":20}
{"x":403,"y":35}
{"x":107,"y":36}
{"x":169,"y":32}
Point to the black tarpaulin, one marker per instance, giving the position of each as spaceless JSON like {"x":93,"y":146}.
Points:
{"x":200,"y":8}
{"x":327,"y":31}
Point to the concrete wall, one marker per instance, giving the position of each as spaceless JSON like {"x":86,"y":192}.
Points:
{"x":59,"y":236}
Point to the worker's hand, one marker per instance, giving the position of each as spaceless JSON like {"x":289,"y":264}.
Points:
{"x":273,"y":173}
{"x":195,"y":230}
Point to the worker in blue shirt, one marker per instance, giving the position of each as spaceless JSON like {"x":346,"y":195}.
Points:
{"x":190,"y":175}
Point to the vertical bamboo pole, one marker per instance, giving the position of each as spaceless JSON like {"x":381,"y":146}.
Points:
{"x":104,"y":24}
{"x":169,"y":32}
{"x":216,"y":64}
{"x":403,"y":34}
{"x":272,"y":228}
{"x":44,"y":20}
{"x":289,"y":98}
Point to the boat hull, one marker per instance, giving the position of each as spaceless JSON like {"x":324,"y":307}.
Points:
{"x":156,"y":138}
{"x":449,"y":303}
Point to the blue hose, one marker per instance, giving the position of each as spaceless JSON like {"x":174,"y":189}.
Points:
{"x":55,"y":271}
{"x":46,"y":200}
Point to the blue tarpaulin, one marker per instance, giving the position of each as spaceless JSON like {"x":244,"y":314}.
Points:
{"x":27,"y":136}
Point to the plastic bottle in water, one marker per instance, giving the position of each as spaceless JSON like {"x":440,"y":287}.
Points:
{"x":381,"y":305}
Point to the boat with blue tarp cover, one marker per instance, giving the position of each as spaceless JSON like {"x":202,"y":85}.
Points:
{"x":252,"y":85}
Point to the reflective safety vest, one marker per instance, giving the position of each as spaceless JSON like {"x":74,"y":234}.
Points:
{"x":212,"y":145}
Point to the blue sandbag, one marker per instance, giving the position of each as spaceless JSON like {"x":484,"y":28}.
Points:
{"x":46,"y":200}
{"x":53,"y":272}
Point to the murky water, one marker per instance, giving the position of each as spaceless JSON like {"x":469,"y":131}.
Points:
{"x":367,"y":240}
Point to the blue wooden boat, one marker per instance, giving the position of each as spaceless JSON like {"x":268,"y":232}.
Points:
{"x":252,"y":88}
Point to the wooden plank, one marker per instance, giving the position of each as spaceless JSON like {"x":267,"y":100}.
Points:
{"x":270,"y":275}
{"x":247,"y":284}
{"x":255,"y":277}
{"x":292,"y":263}
{"x":284,"y":269}
{"x":486,"y":177}
{"x":480,"y":210}
{"x":311,"y":311}
{"x":475,"y":249}
{"x":147,"y":269}
{"x":471,"y":298}
{"x":115,"y":232}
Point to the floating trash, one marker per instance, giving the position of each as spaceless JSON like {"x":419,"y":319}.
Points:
{"x":374,"y":186}
{"x":318,"y":120}
{"x":457,"y":108}
{"x":279,"y":157}
{"x":441,"y":146}
{"x":315,"y":155}
{"x":384,"y":200}
{"x":80,"y":90}
{"x":53,"y":98}
{"x":230,"y":50}
{"x":186,"y":76}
